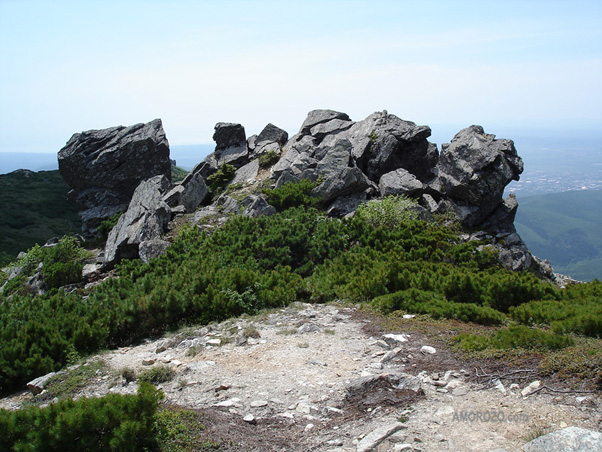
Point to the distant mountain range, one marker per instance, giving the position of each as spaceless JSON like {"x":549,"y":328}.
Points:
{"x":566,"y":229}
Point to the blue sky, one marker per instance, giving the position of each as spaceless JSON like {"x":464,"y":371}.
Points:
{"x":68,"y":66}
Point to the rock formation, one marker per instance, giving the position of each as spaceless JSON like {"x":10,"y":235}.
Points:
{"x":104,"y":167}
{"x":145,"y":220}
{"x":379,"y":156}
{"x":353,"y":161}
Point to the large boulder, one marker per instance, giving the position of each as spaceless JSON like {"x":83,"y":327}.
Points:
{"x":146,"y":219}
{"x":104,"y":167}
{"x":474,"y":169}
{"x":273,"y":134}
{"x":383,"y":142}
{"x":231,"y":144}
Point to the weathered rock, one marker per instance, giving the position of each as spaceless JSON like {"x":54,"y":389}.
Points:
{"x":104,"y":167}
{"x":383,"y":142}
{"x":256,"y":205}
{"x":474,"y":169}
{"x":400,"y":182}
{"x":246,"y":173}
{"x":146,"y":219}
{"x":194,"y":193}
{"x":570,"y":439}
{"x":231,"y":144}
{"x":205,"y":169}
{"x":229,"y":135}
{"x":346,"y":205}
{"x":172,"y":197}
{"x":150,"y":249}
{"x":345,"y":182}
{"x":316,"y":117}
{"x":272,"y":133}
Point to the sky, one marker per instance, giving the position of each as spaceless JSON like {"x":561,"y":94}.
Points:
{"x":511,"y":66}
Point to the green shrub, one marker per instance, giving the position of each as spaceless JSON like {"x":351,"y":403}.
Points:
{"x":268,"y":159}
{"x":423,"y":302}
{"x":157,"y":374}
{"x":218,"y":180}
{"x":107,"y":226}
{"x":293,"y":194}
{"x":514,"y":337}
{"x":61,"y":265}
{"x":388,"y":212}
{"x":110,"y":423}
{"x":576,"y":309}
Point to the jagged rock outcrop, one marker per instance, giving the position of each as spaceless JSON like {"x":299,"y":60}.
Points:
{"x":473,"y":171}
{"x":104,"y":167}
{"x":146,"y":219}
{"x":351,"y":161}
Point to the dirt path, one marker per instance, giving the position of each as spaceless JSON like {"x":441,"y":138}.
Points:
{"x":306,"y":378}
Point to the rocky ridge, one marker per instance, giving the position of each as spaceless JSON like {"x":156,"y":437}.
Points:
{"x":351,"y":162}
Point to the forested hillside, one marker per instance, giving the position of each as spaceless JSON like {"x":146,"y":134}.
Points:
{"x":33,"y":208}
{"x":566,"y":229}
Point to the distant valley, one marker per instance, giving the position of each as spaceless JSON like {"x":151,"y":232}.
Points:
{"x":566,"y":229}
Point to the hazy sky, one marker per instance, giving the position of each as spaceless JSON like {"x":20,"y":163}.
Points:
{"x":68,"y":66}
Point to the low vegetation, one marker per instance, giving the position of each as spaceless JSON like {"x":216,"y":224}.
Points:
{"x":111,"y":423}
{"x":383,"y":257}
{"x":59,"y":265}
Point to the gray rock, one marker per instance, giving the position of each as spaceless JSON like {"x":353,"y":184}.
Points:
{"x":345,"y":182}
{"x":475,"y":168}
{"x":316,"y":117}
{"x":346,"y":205}
{"x":227,"y":205}
{"x":205,"y":169}
{"x":265,"y":147}
{"x":172,"y":197}
{"x":150,"y":249}
{"x":320,"y":131}
{"x":246,"y":173}
{"x":251,"y":142}
{"x":256,"y":205}
{"x":146,"y":219}
{"x":272,"y":133}
{"x":383,"y":142}
{"x":308,"y":328}
{"x":104,"y":167}
{"x":194,"y":193}
{"x":236,"y":156}
{"x":570,"y":439}
{"x":400,"y":181}
{"x":231,"y":144}
{"x":229,"y":135}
